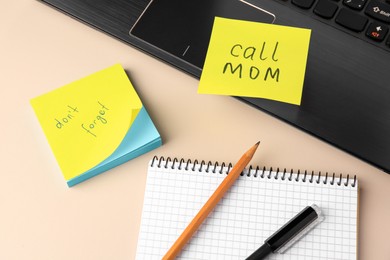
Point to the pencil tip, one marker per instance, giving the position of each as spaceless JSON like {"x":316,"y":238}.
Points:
{"x":257,"y":143}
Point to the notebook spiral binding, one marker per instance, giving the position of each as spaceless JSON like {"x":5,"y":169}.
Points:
{"x":264,"y":172}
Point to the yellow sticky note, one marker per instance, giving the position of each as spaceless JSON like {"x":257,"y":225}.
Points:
{"x":85,"y":121}
{"x":255,"y":60}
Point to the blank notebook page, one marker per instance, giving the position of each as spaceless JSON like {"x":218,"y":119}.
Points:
{"x":257,"y":205}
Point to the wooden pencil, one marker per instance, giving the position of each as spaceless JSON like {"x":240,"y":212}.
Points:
{"x":211,"y":203}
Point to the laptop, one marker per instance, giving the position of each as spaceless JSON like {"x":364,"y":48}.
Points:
{"x":346,"y":96}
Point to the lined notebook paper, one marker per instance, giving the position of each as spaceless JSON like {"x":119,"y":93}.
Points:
{"x":258,"y":204}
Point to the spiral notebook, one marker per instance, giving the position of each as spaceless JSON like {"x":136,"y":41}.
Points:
{"x":258,"y":204}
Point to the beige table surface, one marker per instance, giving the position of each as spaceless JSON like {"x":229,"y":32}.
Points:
{"x":41,"y":218}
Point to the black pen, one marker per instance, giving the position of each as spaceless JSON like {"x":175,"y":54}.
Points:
{"x":291,"y":232}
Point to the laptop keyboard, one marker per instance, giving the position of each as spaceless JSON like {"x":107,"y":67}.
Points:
{"x":365,"y":19}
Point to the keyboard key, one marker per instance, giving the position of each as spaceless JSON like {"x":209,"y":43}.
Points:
{"x":306,"y":4}
{"x":351,"y":20}
{"x":355,"y":4}
{"x":378,"y":10}
{"x":325,"y":9}
{"x":377,"y":31}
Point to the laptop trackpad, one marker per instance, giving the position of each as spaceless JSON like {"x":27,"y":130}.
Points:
{"x":183,"y":28}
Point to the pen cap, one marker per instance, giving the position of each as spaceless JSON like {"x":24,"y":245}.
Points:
{"x":296,"y":228}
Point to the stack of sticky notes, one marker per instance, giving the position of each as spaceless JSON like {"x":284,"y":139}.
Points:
{"x":95,"y":124}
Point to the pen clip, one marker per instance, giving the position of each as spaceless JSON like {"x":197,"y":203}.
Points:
{"x":303,"y":232}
